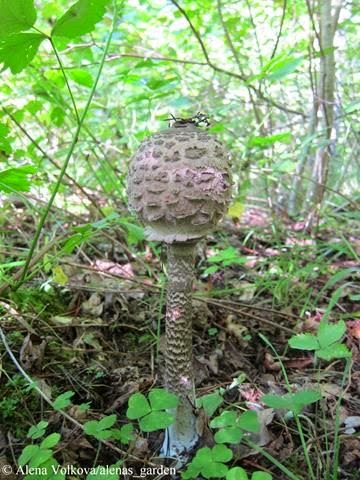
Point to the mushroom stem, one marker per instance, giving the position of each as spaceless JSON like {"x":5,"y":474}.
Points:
{"x":179,"y":379}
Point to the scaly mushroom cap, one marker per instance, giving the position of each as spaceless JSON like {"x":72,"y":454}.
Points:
{"x":179,"y":183}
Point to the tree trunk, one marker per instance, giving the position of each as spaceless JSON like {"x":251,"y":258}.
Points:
{"x":325,"y":93}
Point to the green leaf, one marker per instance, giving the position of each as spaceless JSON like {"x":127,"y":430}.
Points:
{"x":50,"y":441}
{"x":28,"y":452}
{"x":80,"y":18}
{"x":304,"y":341}
{"x":337,"y":350}
{"x":81,"y":76}
{"x":16,"y":179}
{"x":229,"y":435}
{"x":135,"y":233}
{"x":16,"y":15}
{"x":138,"y":406}
{"x":283,"y":137}
{"x":237,"y":473}
{"x":292,"y":401}
{"x":283,"y":68}
{"x":229,"y":255}
{"x":211,"y":402}
{"x":40,"y":457}
{"x":160,"y":399}
{"x":249,"y":421}
{"x":306,"y":397}
{"x":226,"y":419}
{"x":220,"y":453}
{"x":125,"y":434}
{"x":156,"y":421}
{"x":261,"y":476}
{"x":57,"y":116}
{"x":63,"y":400}
{"x":98,"y":429}
{"x":329,"y":333}
{"x":18,"y":50}
{"x":37,"y":431}
{"x":214,"y":470}
{"x":106,"y":422}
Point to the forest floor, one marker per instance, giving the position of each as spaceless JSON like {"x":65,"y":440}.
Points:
{"x":91,"y":322}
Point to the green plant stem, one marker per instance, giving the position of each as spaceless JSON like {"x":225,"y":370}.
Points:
{"x":273,"y":460}
{"x":68,"y":156}
{"x":66,"y":79}
{"x":298,"y":423}
{"x":303,"y":443}
{"x":337,"y":422}
{"x":98,"y":450}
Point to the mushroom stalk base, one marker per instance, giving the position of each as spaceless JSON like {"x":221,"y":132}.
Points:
{"x":181,"y":436}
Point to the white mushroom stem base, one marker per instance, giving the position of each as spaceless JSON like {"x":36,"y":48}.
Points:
{"x":181,"y":437}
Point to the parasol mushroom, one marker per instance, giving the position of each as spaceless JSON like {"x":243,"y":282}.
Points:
{"x":179,"y":186}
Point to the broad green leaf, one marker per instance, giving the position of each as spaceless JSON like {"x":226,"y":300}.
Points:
{"x":57,"y":116}
{"x":18,"y":50}
{"x":304,"y":341}
{"x":107,"y":422}
{"x":292,"y":401}
{"x":229,"y":254}
{"x":135,"y":233}
{"x":249,"y":421}
{"x":261,"y":476}
{"x":125,"y":434}
{"x":81,"y":76}
{"x":91,"y":427}
{"x":220,"y":453}
{"x":226,"y":419}
{"x":329,"y":333}
{"x":138,"y":406}
{"x":28,"y":452}
{"x":237,"y":473}
{"x":337,"y":350}
{"x":160,"y":399}
{"x":229,"y":435}
{"x":50,"y":441}
{"x":156,"y":421}
{"x":306,"y":397}
{"x":211,"y":402}
{"x":214,"y":470}
{"x":63,"y":400}
{"x":37,"y":431}
{"x":16,"y":179}
{"x":80,"y":18}
{"x":202,"y":457}
{"x":40,"y":457}
{"x":283,"y":68}
{"x":98,"y":429}
{"x":16,"y":16}
{"x":283,"y":137}
{"x":192,"y":471}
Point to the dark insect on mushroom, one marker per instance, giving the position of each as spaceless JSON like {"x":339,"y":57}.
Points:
{"x":200,"y":119}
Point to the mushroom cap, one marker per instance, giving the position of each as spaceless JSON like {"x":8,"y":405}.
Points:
{"x":179,"y":184}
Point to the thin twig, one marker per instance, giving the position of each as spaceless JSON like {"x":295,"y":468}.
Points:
{"x":227,"y":72}
{"x":280,"y":30}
